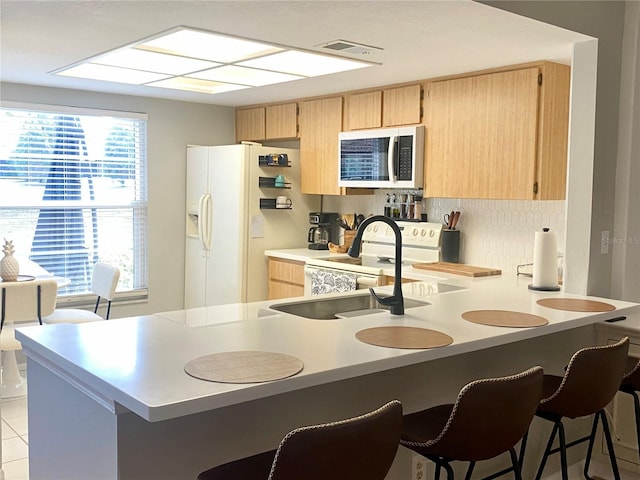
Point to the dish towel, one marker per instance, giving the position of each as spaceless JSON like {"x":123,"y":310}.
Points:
{"x":326,"y":281}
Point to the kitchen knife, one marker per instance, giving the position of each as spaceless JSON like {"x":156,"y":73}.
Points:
{"x":454,"y":220}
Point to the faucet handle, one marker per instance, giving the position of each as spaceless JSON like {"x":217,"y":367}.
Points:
{"x":383,"y":300}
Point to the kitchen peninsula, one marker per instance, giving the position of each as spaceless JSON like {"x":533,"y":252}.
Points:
{"x":111,"y":399}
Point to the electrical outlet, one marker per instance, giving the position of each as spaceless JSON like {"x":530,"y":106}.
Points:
{"x":418,"y":467}
{"x":604,"y":242}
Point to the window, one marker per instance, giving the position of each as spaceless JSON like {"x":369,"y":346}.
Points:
{"x":73,"y":191}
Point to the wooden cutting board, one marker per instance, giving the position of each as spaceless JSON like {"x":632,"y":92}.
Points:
{"x":458,"y":269}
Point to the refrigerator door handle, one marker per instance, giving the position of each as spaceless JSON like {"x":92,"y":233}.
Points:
{"x":204,"y":229}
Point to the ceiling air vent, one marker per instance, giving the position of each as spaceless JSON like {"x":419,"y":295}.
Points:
{"x":349,"y":47}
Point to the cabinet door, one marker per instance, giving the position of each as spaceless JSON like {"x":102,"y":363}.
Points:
{"x":365,"y":110}
{"x":282,"y":121}
{"x":250,"y":124}
{"x":401,"y":106}
{"x":286,"y":278}
{"x":482,"y":134}
{"x":320,"y":123}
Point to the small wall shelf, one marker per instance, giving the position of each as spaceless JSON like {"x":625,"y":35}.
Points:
{"x":270,"y":182}
{"x":273,"y":161}
{"x":270,"y":204}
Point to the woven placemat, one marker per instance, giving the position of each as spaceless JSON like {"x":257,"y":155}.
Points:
{"x":404,"y":337}
{"x":504,"y":318}
{"x":576,"y":305}
{"x":244,"y":367}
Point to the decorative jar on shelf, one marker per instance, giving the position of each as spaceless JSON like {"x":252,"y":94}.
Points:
{"x":9,"y":267}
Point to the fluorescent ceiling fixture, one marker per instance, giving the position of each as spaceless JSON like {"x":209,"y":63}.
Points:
{"x":209,"y":46}
{"x":154,"y":62}
{"x":112,"y":74}
{"x":200,"y":61}
{"x":303,"y":63}
{"x":245,"y":76}
{"x":197,"y":85}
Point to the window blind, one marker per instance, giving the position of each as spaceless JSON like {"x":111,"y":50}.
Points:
{"x":73,"y":191}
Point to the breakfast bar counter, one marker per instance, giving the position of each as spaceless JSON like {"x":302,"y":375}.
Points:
{"x":112,"y":399}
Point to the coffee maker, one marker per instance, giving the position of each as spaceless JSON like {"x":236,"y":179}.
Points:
{"x":325,"y":230}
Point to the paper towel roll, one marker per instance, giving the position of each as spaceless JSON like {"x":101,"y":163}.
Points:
{"x":545,"y":260}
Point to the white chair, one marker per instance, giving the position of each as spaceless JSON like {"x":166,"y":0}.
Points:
{"x":104,"y":281}
{"x":21,"y":302}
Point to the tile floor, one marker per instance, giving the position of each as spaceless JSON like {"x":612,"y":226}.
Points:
{"x":15,"y":439}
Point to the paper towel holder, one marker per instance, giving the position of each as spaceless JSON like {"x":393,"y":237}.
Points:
{"x":545,"y":288}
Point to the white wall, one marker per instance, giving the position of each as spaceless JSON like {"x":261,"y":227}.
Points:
{"x":625,"y":240}
{"x":171,"y":126}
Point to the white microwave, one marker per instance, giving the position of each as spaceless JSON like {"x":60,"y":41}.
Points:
{"x":381,"y":158}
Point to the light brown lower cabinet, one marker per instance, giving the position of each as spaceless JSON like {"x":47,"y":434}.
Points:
{"x":622,"y":418}
{"x":286,"y":278}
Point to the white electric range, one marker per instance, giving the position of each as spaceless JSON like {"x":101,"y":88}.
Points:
{"x":420,"y":244}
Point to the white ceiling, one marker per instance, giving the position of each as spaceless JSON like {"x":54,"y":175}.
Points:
{"x":421,"y":39}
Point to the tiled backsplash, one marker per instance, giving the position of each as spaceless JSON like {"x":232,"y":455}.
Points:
{"x":494,"y":233}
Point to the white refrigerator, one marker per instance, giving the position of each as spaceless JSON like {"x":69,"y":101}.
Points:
{"x":227,"y":231}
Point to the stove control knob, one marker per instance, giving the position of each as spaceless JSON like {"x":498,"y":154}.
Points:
{"x":375,"y":228}
{"x":432,"y":233}
{"x":423,"y":232}
{"x":415,"y":232}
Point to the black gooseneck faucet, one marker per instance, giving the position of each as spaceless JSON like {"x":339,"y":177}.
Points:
{"x":396,"y":301}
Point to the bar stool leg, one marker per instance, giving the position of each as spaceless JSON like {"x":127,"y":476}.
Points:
{"x":470,"y":470}
{"x":636,"y":405}
{"x":523,"y":445}
{"x":516,"y":464}
{"x":547,"y":451}
{"x":563,"y":451}
{"x":607,"y":436}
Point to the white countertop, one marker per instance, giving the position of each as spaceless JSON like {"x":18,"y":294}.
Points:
{"x":138,"y":362}
{"x":301,"y":254}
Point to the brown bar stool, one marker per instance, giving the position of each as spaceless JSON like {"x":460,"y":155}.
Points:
{"x":590,"y":382}
{"x":631,"y":385}
{"x":359,"y":448}
{"x":489,"y":417}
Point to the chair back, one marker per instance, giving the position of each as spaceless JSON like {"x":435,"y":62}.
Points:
{"x":104,"y":280}
{"x":360,"y":448}
{"x":490,"y":416}
{"x":590,"y":381}
{"x":631,"y":380}
{"x":27,"y":301}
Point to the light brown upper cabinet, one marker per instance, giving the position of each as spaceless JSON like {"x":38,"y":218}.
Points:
{"x":384,"y":108}
{"x":401,"y":106}
{"x":320,"y":123}
{"x":282,"y":121}
{"x":364,"y":110}
{"x":499,"y":135}
{"x":272,"y":122}
{"x":250,"y":124}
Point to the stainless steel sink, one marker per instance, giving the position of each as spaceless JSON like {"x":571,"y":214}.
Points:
{"x":331,"y":308}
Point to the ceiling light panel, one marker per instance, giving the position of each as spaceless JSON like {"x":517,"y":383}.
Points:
{"x":208,"y":46}
{"x":206,"y":62}
{"x":154,"y":62}
{"x":245,"y":76}
{"x":196,"y":85}
{"x":303,"y":63}
{"x":112,"y":74}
